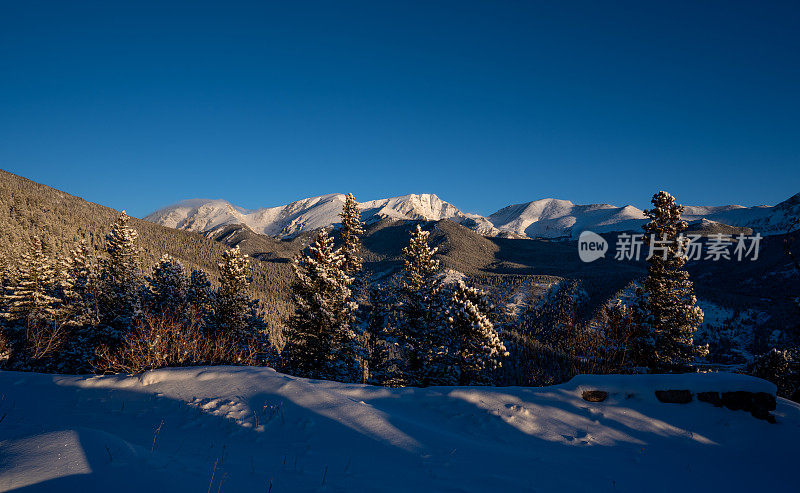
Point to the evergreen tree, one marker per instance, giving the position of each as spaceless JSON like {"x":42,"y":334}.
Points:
{"x":423,"y":323}
{"x":33,"y":295}
{"x":554,"y":318}
{"x":781,"y":368}
{"x":235,"y":313}
{"x":6,"y":282}
{"x":36,"y":325}
{"x":121,"y":282}
{"x":352,"y":229}
{"x":168,"y":288}
{"x":666,"y":311}
{"x":81,"y":306}
{"x":80,"y":286}
{"x":385,"y":355}
{"x":476,"y":346}
{"x":200,"y":297}
{"x":321,"y":341}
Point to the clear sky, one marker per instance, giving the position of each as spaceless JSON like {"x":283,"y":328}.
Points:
{"x":141,"y":104}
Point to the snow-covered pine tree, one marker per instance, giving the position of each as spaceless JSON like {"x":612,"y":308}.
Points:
{"x":666,"y":311}
{"x":168,"y":288}
{"x":423,"y":324}
{"x":321,"y":342}
{"x":235,"y":313}
{"x":35,"y":311}
{"x":6,"y":276}
{"x":121,"y":282}
{"x":476,"y":346}
{"x":80,"y":292}
{"x":383,"y":338}
{"x":7,"y":280}
{"x":80,"y":286}
{"x":352,"y":229}
{"x":33,"y":296}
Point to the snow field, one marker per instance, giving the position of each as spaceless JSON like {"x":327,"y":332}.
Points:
{"x":240,"y":428}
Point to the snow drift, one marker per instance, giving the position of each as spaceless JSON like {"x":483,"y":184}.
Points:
{"x":242,"y":429}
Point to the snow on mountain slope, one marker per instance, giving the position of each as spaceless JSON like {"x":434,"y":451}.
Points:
{"x":763,"y":219}
{"x":244,"y":429}
{"x":553,"y":218}
{"x":546,"y":218}
{"x":309,"y":214}
{"x":203,"y":215}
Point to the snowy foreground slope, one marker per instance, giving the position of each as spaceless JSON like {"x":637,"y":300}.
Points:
{"x":245,"y":427}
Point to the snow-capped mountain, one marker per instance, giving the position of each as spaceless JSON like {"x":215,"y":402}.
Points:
{"x":553,"y":218}
{"x":767,"y":220}
{"x":202,"y":215}
{"x":546,"y":218}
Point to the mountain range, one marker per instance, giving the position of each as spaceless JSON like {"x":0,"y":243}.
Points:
{"x":545,"y":218}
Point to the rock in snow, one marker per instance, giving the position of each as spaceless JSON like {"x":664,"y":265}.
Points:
{"x":190,"y":429}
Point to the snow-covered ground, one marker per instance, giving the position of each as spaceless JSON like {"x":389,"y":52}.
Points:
{"x":191,"y":429}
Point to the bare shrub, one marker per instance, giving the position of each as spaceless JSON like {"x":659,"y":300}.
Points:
{"x":163,"y":340}
{"x":44,"y":338}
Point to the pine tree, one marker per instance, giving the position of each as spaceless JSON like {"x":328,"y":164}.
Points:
{"x":423,"y":321}
{"x":200,"y":298}
{"x":79,"y":286}
{"x":80,"y":290}
{"x":475,"y":345}
{"x":321,"y":341}
{"x":420,"y":266}
{"x":33,"y":296}
{"x":36,"y":314}
{"x":121,"y":282}
{"x":666,"y":310}
{"x":384,"y":338}
{"x":168,"y":288}
{"x":352,"y":229}
{"x":7,"y":276}
{"x":6,"y":282}
{"x":235,"y":313}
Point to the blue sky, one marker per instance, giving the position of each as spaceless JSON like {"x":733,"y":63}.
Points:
{"x":141,"y":104}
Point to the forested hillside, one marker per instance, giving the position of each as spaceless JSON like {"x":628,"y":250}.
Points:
{"x":29,"y":209}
